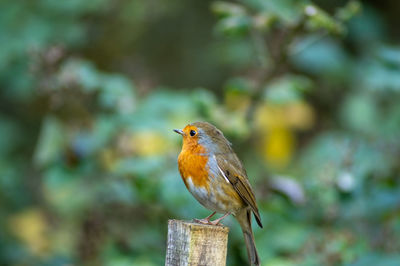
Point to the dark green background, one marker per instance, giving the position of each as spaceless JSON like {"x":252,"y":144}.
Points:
{"x":307,"y":92}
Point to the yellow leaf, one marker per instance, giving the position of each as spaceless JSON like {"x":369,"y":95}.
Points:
{"x":148,"y":143}
{"x":299,"y":115}
{"x":31,"y":228}
{"x":268,"y":115}
{"x":276,"y":123}
{"x":278,"y":146}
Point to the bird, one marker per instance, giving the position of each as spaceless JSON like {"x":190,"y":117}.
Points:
{"x":214,"y":175}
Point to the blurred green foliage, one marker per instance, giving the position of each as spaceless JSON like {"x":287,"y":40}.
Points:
{"x":90,"y":90}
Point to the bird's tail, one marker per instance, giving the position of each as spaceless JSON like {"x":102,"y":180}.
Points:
{"x":244,"y":219}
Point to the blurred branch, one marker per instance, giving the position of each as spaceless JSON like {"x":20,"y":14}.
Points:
{"x":278,"y":46}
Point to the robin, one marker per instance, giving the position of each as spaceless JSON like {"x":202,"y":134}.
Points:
{"x":214,"y":175}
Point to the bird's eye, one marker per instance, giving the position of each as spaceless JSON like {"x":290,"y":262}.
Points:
{"x":192,"y":133}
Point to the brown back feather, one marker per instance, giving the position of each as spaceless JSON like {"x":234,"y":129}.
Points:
{"x":238,"y":178}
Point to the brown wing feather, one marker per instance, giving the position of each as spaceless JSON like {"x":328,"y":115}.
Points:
{"x":238,"y":178}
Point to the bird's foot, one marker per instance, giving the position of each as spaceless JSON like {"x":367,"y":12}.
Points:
{"x":205,"y":220}
{"x":208,"y":222}
{"x":202,"y":221}
{"x":217,"y":221}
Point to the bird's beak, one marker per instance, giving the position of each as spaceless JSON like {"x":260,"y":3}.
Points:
{"x":179,"y":131}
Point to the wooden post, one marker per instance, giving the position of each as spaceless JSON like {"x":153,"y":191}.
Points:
{"x":196,"y":244}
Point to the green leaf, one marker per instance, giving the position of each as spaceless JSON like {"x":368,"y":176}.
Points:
{"x":239,"y":85}
{"x":320,"y":56}
{"x":319,"y":19}
{"x":51,"y":142}
{"x":225,"y":9}
{"x":345,"y":13}
{"x":117,"y":92}
{"x":359,"y":112}
{"x":286,"y":89}
{"x":81,"y":72}
{"x":234,"y":26}
{"x":287,"y":11}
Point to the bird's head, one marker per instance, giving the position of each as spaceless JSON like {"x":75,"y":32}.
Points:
{"x":204,"y":134}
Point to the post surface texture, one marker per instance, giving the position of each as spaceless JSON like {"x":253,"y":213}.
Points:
{"x":196,"y":244}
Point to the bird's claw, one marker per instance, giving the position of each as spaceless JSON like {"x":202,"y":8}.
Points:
{"x":206,"y":221}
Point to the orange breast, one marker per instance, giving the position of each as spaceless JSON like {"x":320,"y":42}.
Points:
{"x":193,"y":163}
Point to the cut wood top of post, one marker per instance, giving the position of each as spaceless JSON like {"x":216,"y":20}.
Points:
{"x":191,"y":243}
{"x":198,"y":226}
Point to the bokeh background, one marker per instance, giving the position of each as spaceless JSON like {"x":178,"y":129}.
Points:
{"x":307,"y":92}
